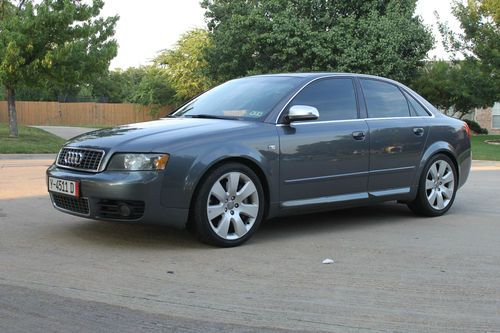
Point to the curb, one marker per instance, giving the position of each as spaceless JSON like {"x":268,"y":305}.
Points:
{"x":485,"y":163}
{"x":28,"y":156}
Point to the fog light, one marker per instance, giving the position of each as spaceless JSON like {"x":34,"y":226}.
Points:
{"x":124,"y":210}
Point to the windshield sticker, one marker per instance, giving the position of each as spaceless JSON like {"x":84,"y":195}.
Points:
{"x":255,"y":114}
{"x":234,"y":113}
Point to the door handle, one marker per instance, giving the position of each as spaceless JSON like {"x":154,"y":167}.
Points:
{"x":419,"y":131}
{"x":358,"y":135}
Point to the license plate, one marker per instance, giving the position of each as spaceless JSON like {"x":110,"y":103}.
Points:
{"x":64,"y":186}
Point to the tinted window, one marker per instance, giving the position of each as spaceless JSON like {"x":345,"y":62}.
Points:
{"x":416,"y":109}
{"x":334,"y":99}
{"x":384,"y":100}
{"x":247,"y":98}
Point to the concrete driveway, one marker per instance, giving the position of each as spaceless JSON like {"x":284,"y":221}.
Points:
{"x":392,"y":272}
{"x":66,"y":132}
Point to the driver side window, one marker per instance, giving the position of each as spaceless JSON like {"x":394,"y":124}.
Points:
{"x":334,"y":98}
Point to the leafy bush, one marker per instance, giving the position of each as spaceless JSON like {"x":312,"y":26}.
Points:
{"x":475,"y":127}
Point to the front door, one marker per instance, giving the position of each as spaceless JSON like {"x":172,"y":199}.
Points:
{"x":326,"y":160}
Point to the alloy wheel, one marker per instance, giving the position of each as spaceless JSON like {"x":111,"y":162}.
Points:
{"x":232,"y":205}
{"x":440,"y":185}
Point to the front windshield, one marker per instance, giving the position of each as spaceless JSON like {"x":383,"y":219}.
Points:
{"x":247,"y":98}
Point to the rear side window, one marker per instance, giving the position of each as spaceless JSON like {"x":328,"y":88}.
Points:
{"x":384,"y":99}
{"x":416,"y":109}
{"x":334,"y":98}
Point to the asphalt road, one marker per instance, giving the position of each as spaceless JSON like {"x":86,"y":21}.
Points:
{"x":392,"y":271}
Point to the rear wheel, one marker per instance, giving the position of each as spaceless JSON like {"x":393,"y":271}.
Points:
{"x":229,"y":206}
{"x":437,"y":187}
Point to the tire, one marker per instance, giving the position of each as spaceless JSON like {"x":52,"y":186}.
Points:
{"x":437,"y":187}
{"x":225,"y":214}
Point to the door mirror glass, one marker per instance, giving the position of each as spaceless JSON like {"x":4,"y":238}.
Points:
{"x":302,"y":112}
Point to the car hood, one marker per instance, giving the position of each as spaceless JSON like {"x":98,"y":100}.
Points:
{"x":154,"y":135}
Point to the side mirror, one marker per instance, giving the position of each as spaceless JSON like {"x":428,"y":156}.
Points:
{"x":302,"y":112}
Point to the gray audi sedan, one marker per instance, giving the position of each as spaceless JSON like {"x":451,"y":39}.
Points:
{"x":265,"y":146}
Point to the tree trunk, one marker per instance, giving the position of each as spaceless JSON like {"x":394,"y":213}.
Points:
{"x":11,"y":105}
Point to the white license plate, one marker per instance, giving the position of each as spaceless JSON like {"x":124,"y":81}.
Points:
{"x":64,"y":186}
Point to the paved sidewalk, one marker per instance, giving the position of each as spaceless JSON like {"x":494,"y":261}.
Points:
{"x":484,"y":165}
{"x":65,"y":132}
{"x":27,"y":156}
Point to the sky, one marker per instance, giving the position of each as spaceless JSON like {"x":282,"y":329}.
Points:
{"x":147,"y":27}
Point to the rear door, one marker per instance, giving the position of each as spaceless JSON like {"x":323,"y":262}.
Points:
{"x":398,"y":132}
{"x":325,"y":160}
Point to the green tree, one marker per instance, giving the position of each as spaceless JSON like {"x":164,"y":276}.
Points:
{"x":479,"y":45}
{"x":480,"y":35}
{"x":186,"y":65}
{"x":381,"y":37}
{"x":63,"y":43}
{"x":117,"y":86}
{"x":457,"y":86}
{"x":153,"y":89}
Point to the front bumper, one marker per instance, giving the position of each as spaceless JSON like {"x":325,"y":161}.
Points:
{"x":107,"y":196}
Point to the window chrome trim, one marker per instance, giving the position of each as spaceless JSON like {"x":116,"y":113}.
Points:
{"x":353,"y":77}
{"x":349,"y":120}
{"x":81,"y":169}
{"x":380,"y":118}
{"x":320,"y":122}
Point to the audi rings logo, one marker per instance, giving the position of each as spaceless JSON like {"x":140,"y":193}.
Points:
{"x":73,"y":158}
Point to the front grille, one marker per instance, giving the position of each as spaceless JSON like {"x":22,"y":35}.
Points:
{"x":120,"y":209}
{"x":75,"y":205}
{"x":80,"y":159}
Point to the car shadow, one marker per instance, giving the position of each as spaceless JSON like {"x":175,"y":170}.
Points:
{"x":119,"y":234}
{"x":334,"y":221}
{"x":128,"y":235}
{"x":289,"y":227}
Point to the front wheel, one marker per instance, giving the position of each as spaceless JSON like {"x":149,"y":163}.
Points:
{"x":229,"y":205}
{"x":437,"y":187}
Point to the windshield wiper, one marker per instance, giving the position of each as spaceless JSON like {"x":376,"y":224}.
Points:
{"x":208,"y":116}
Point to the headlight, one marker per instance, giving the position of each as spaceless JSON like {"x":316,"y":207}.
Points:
{"x":136,"y":162}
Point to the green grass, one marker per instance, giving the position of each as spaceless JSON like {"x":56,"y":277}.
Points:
{"x":30,"y":141}
{"x":484,"y":151}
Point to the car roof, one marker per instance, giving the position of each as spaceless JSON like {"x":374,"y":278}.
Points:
{"x":315,"y":75}
{"x":304,"y":75}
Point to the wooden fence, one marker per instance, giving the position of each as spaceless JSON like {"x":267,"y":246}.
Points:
{"x":74,"y":114}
